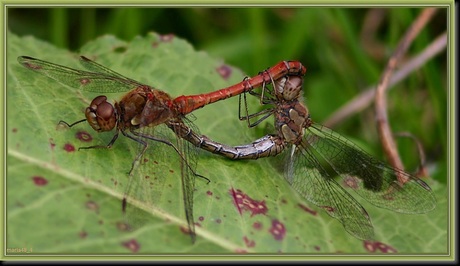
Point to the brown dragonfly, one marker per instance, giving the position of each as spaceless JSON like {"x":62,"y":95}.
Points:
{"x":144,"y":109}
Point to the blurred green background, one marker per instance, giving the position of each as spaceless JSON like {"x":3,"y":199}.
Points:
{"x":345,"y":51}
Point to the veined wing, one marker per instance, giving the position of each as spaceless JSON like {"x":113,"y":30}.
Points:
{"x":188,"y":162}
{"x":372,"y":179}
{"x":307,"y":176}
{"x":98,"y":68}
{"x":153,"y":184}
{"x":102,"y":80}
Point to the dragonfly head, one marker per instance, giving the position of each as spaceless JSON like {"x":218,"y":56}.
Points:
{"x":288,"y":88}
{"x":101,"y":114}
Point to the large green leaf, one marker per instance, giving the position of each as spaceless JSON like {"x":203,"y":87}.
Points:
{"x":64,"y":201}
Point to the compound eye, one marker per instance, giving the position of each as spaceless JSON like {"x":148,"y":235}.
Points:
{"x":101,"y":115}
{"x":98,"y":100}
{"x":105,"y":110}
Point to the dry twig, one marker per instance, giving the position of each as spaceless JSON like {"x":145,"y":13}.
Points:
{"x":383,"y":126}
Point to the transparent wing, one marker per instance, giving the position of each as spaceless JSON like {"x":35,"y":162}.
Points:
{"x":308,"y":177}
{"x":374,"y":180}
{"x":164,"y":178}
{"x":98,"y":68}
{"x":188,"y":163}
{"x":101,"y":80}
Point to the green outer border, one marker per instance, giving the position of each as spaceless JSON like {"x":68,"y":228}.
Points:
{"x":250,"y":257}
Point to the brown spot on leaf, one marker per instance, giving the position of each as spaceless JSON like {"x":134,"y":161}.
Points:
{"x":224,"y":71}
{"x":257,"y":225}
{"x":92,"y":206}
{"x":305,"y":208}
{"x":249,"y":243}
{"x":245,"y":203}
{"x":166,"y":37}
{"x":374,"y":246}
{"x":132,"y":245}
{"x":278,"y":230}
{"x":83,"y":136}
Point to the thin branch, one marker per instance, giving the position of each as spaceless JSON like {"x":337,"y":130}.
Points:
{"x":422,"y":171}
{"x":383,"y":126}
{"x":365,"y":99}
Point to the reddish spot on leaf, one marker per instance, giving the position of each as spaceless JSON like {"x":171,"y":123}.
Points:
{"x":209,"y":193}
{"x":171,"y":171}
{"x":351,"y":182}
{"x":166,"y":37}
{"x":83,"y":234}
{"x":69,"y":147}
{"x":132,"y":245}
{"x":257,"y":225}
{"x":85,"y":81}
{"x":40,"y":181}
{"x":241,"y":251}
{"x":32,"y":66}
{"x":14,"y":130}
{"x":245,"y":203}
{"x":84,"y":136}
{"x":317,"y":248}
{"x":373,"y":246}
{"x":224,"y":71}
{"x":92,"y":206}
{"x":218,"y":221}
{"x":201,"y":218}
{"x":305,"y":208}
{"x":185,"y":230}
{"x":278,"y":230}
{"x":52,"y":144}
{"x":121,"y":226}
{"x":249,"y":243}
{"x":328,"y":208}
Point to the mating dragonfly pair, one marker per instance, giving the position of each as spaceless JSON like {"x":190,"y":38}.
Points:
{"x":312,"y":148}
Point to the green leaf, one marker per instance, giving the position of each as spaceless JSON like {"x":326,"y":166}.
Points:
{"x":69,"y":201}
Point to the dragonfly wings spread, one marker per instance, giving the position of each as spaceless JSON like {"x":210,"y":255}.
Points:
{"x":311,"y":180}
{"x":374,"y":180}
{"x":101,"y":80}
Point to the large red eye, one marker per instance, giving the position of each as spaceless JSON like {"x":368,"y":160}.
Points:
{"x":101,"y":115}
{"x":105,"y":110}
{"x":97,"y":101}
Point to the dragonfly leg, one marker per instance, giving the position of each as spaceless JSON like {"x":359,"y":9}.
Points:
{"x":164,"y":142}
{"x":62,"y":122}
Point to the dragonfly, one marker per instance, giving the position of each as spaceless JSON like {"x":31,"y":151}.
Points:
{"x":315,"y":157}
{"x":144,"y":108}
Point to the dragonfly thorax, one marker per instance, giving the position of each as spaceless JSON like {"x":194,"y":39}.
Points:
{"x":144,"y":106}
{"x":291,"y":120}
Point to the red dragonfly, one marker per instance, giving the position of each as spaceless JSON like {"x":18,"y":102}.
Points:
{"x":144,"y":108}
{"x":313,"y":149}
